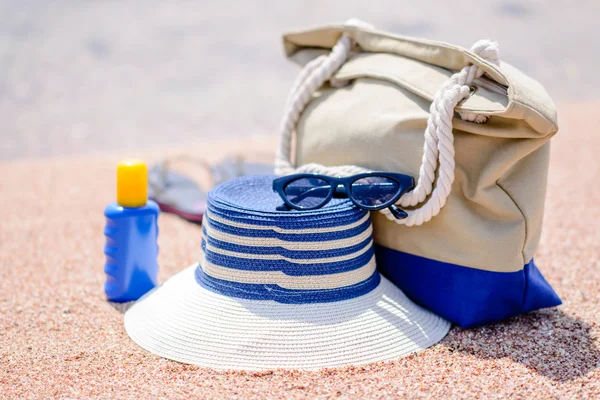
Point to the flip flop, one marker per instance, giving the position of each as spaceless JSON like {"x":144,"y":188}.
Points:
{"x":176,"y":193}
{"x":235,"y":167}
{"x":180,"y":195}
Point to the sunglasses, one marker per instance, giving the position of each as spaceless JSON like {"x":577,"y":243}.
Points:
{"x":369,"y":190}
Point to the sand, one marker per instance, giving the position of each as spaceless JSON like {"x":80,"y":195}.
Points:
{"x":60,"y":338}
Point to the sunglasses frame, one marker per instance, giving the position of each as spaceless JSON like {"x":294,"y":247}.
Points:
{"x":405,"y":183}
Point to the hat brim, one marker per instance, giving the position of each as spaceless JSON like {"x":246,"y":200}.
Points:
{"x":185,"y":322}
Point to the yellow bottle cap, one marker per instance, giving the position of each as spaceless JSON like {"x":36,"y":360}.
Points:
{"x":132,"y":183}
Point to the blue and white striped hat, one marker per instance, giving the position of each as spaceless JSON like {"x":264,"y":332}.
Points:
{"x":291,"y":289}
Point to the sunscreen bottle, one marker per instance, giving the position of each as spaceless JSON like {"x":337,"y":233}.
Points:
{"x":131,"y":236}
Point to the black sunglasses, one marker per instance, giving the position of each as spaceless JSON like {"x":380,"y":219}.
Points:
{"x":369,"y":190}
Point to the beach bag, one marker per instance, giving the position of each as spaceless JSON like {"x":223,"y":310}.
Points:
{"x":473,"y":132}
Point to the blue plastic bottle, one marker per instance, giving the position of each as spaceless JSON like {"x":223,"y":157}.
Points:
{"x":131,"y":236}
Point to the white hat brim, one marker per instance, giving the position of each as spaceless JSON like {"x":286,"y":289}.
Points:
{"x":185,"y":322}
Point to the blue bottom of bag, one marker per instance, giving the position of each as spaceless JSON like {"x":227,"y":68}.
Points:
{"x":468,"y":297}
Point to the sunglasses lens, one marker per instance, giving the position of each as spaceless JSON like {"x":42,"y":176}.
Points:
{"x":374,"y":191}
{"x":307,"y":192}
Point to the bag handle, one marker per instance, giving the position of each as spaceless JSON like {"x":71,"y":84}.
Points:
{"x":439,"y":139}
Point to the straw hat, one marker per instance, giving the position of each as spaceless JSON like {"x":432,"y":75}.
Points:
{"x":290,"y":289}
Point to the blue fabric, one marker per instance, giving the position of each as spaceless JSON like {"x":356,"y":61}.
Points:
{"x":466,"y":296}
{"x":251,"y":201}
{"x":538,"y":293}
{"x":282,"y":295}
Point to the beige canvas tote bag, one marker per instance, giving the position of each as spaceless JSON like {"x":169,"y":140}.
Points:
{"x":474,"y":133}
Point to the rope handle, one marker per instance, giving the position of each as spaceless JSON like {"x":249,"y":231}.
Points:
{"x":438,"y":147}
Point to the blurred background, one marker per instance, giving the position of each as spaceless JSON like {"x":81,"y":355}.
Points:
{"x":80,"y":77}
